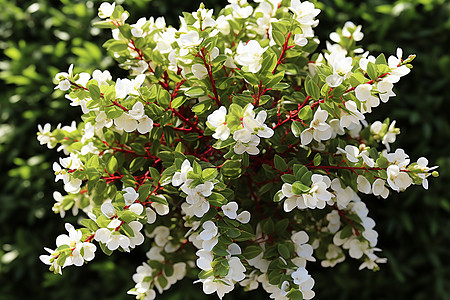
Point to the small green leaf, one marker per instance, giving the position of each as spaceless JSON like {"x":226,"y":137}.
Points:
{"x":112,"y":165}
{"x":209,"y":173}
{"x":178,"y":101}
{"x":284,"y":251}
{"x":252,"y":251}
{"x":217,"y":199}
{"x":299,"y":188}
{"x":317,"y":159}
{"x":280,"y":164}
{"x":195,"y":92}
{"x":311,"y":88}
{"x":278,"y":196}
{"x":372,"y":71}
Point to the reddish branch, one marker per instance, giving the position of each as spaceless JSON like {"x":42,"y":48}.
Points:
{"x":283,"y":52}
{"x":114,"y":102}
{"x":208,"y":67}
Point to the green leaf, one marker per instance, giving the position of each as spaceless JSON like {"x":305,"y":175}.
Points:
{"x":195,"y":92}
{"x":144,"y":191}
{"x":154,"y":174}
{"x":168,"y":269}
{"x":163,"y":98}
{"x":381,"y":60}
{"x":278,"y":196}
{"x":317,"y":159}
{"x":311,"y":88}
{"x":137,"y":164}
{"x":295,"y":294}
{"x":284,"y":251}
{"x":299,"y":188}
{"x":382,"y":162}
{"x":281,"y":226}
{"x":278,"y":37}
{"x":127,"y":229}
{"x":346,"y":232}
{"x":138,"y":148}
{"x":372,"y":71}
{"x":209,"y":173}
{"x":268,"y":226}
{"x":251,"y":78}
{"x":205,"y":274}
{"x":274,"y":80}
{"x":296,"y":128}
{"x":112,"y":165}
{"x":128,"y":216}
{"x":280,"y":164}
{"x":305,"y":113}
{"x":178,"y":101}
{"x":162,"y":281}
{"x":90,"y":224}
{"x":357,"y":79}
{"x":231,"y":168}
{"x":94,"y":90}
{"x":217,"y":200}
{"x":252,"y":251}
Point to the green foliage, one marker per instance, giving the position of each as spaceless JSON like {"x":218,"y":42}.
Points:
{"x":39,"y":39}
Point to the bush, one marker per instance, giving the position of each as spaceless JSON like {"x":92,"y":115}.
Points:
{"x":37,"y":48}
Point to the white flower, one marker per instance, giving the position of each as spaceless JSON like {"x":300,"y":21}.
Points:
{"x":305,"y":282}
{"x":250,"y":147}
{"x":44,"y":135}
{"x":217,"y":120}
{"x":145,"y":125}
{"x":199,"y":71}
{"x":102,"y":77}
{"x":303,"y":249}
{"x":106,"y":10}
{"x":364,"y":185}
{"x":180,"y":177}
{"x":385,"y":89}
{"x":63,"y":79}
{"x":108,"y":210}
{"x":351,"y":30}
{"x":130,"y":195}
{"x":117,"y":240}
{"x":137,"y":111}
{"x":230,"y":210}
{"x":422,"y":163}
{"x":151,"y":215}
{"x":237,"y":270}
{"x":204,"y":17}
{"x":241,"y":12}
{"x":138,"y":237}
{"x":187,"y":41}
{"x":379,"y":188}
{"x":221,"y":287}
{"x":353,"y":116}
{"x":399,"y":157}
{"x":304,"y":12}
{"x":318,"y":130}
{"x":362,"y":92}
{"x":103,"y":235}
{"x":249,"y":55}
{"x":136,"y":29}
{"x":397,"y":179}
{"x":243,"y":217}
{"x":342,"y":68}
{"x":209,"y":231}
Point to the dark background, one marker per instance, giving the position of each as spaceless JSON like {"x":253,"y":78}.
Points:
{"x":40,"y":38}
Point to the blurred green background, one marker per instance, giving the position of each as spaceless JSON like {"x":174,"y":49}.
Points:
{"x":40,"y":38}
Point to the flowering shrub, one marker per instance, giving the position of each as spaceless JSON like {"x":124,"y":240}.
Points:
{"x":235,"y":149}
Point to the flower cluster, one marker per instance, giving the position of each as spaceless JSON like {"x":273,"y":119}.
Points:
{"x":235,"y":147}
